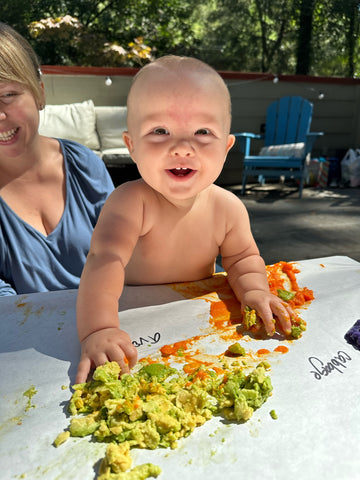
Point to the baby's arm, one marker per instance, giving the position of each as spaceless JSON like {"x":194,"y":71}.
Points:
{"x":102,"y":282}
{"x":247,"y":272}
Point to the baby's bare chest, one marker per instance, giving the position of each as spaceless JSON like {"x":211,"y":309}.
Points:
{"x":192,"y":232}
{"x":177,"y":250}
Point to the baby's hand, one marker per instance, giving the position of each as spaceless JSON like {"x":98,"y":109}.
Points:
{"x":267,"y":305}
{"x":109,"y":344}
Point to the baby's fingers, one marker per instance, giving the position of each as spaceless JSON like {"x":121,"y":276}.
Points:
{"x":283,"y":313}
{"x":131,"y":355}
{"x":125,"y":355}
{"x":269,"y":324}
{"x":83,"y":370}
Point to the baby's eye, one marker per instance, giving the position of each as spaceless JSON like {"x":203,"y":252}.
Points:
{"x":202,"y":131}
{"x":160,"y":131}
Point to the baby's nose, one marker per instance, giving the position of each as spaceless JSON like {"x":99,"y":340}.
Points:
{"x":182,"y":148}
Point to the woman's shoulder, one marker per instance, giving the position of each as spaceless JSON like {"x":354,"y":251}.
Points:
{"x":78,"y":153}
{"x":85,"y":167}
{"x":82,"y":159}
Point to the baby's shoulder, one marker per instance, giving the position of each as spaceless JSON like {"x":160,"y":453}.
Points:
{"x":134,"y":190}
{"x":224,"y":197}
{"x":133,"y":195}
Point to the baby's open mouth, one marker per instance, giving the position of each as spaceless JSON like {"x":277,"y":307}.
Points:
{"x":180,"y":172}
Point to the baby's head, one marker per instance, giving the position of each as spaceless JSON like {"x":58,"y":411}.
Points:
{"x":179,"y":116}
{"x":171,"y":70}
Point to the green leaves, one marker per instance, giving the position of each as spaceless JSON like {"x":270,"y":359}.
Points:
{"x":240,"y":35}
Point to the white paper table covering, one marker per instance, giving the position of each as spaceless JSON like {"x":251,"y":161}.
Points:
{"x":316,"y":435}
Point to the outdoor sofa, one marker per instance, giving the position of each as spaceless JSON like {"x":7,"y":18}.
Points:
{"x":98,"y":127}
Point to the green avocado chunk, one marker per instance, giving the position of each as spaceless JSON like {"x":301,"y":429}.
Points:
{"x":158,"y":370}
{"x":140,"y":472}
{"x":237,"y":349}
{"x":285,"y":295}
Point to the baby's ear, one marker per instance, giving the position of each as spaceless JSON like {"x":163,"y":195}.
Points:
{"x":230,"y":142}
{"x":128,"y":142}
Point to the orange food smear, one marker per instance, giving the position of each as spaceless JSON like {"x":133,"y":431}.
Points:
{"x":175,"y":348}
{"x":281,"y":349}
{"x":225,"y":311}
{"x":277,"y":281}
{"x":191,"y":367}
{"x":219,"y":313}
{"x":263,"y":351}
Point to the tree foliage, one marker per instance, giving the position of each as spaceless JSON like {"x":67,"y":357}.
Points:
{"x":318,"y":37}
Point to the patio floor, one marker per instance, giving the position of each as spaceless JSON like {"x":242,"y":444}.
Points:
{"x":322,"y":223}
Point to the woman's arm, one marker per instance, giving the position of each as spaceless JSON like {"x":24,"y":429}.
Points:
{"x":6,"y":289}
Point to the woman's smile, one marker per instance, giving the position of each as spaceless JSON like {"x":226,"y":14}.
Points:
{"x":9,"y":135}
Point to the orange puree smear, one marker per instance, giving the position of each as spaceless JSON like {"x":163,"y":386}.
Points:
{"x":225,"y":313}
{"x":281,"y":349}
{"x":263,"y":351}
{"x":277,"y":279}
{"x":177,"y":347}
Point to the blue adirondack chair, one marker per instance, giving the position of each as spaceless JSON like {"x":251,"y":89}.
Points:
{"x":287,"y":143}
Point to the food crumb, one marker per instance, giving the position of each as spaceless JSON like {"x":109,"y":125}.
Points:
{"x":273,"y":414}
{"x":30,"y":392}
{"x":61,"y":438}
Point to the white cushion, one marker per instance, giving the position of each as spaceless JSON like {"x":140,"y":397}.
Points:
{"x":110,"y":124}
{"x":295,"y":150}
{"x":74,"y":121}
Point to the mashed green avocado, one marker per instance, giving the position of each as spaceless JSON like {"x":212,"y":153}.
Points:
{"x":237,"y":349}
{"x":250,"y":318}
{"x":285,"y":294}
{"x":61,"y":438}
{"x":117,"y":460}
{"x":273,"y":414}
{"x":30,"y":392}
{"x":298,"y":329}
{"x":157,"y":406}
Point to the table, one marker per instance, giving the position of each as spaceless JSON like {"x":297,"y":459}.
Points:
{"x":316,"y":435}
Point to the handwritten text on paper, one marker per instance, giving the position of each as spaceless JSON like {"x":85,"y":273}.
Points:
{"x":150,"y":339}
{"x":323,"y":369}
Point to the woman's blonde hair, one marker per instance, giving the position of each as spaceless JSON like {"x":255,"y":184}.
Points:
{"x":18,"y":62}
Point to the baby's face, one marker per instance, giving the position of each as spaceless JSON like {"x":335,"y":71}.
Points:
{"x":178,"y":131}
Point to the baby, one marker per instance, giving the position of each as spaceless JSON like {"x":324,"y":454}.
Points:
{"x":170,"y":225}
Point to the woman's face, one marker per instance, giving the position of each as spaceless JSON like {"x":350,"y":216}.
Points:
{"x":19,"y":119}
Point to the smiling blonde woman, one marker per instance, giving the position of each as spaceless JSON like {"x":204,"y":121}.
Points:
{"x":51,"y":190}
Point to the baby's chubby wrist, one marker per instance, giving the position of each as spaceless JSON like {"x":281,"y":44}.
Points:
{"x":99,"y":332}
{"x":254,"y":293}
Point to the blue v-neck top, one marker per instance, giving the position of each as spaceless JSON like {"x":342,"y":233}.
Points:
{"x":33,"y":262}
